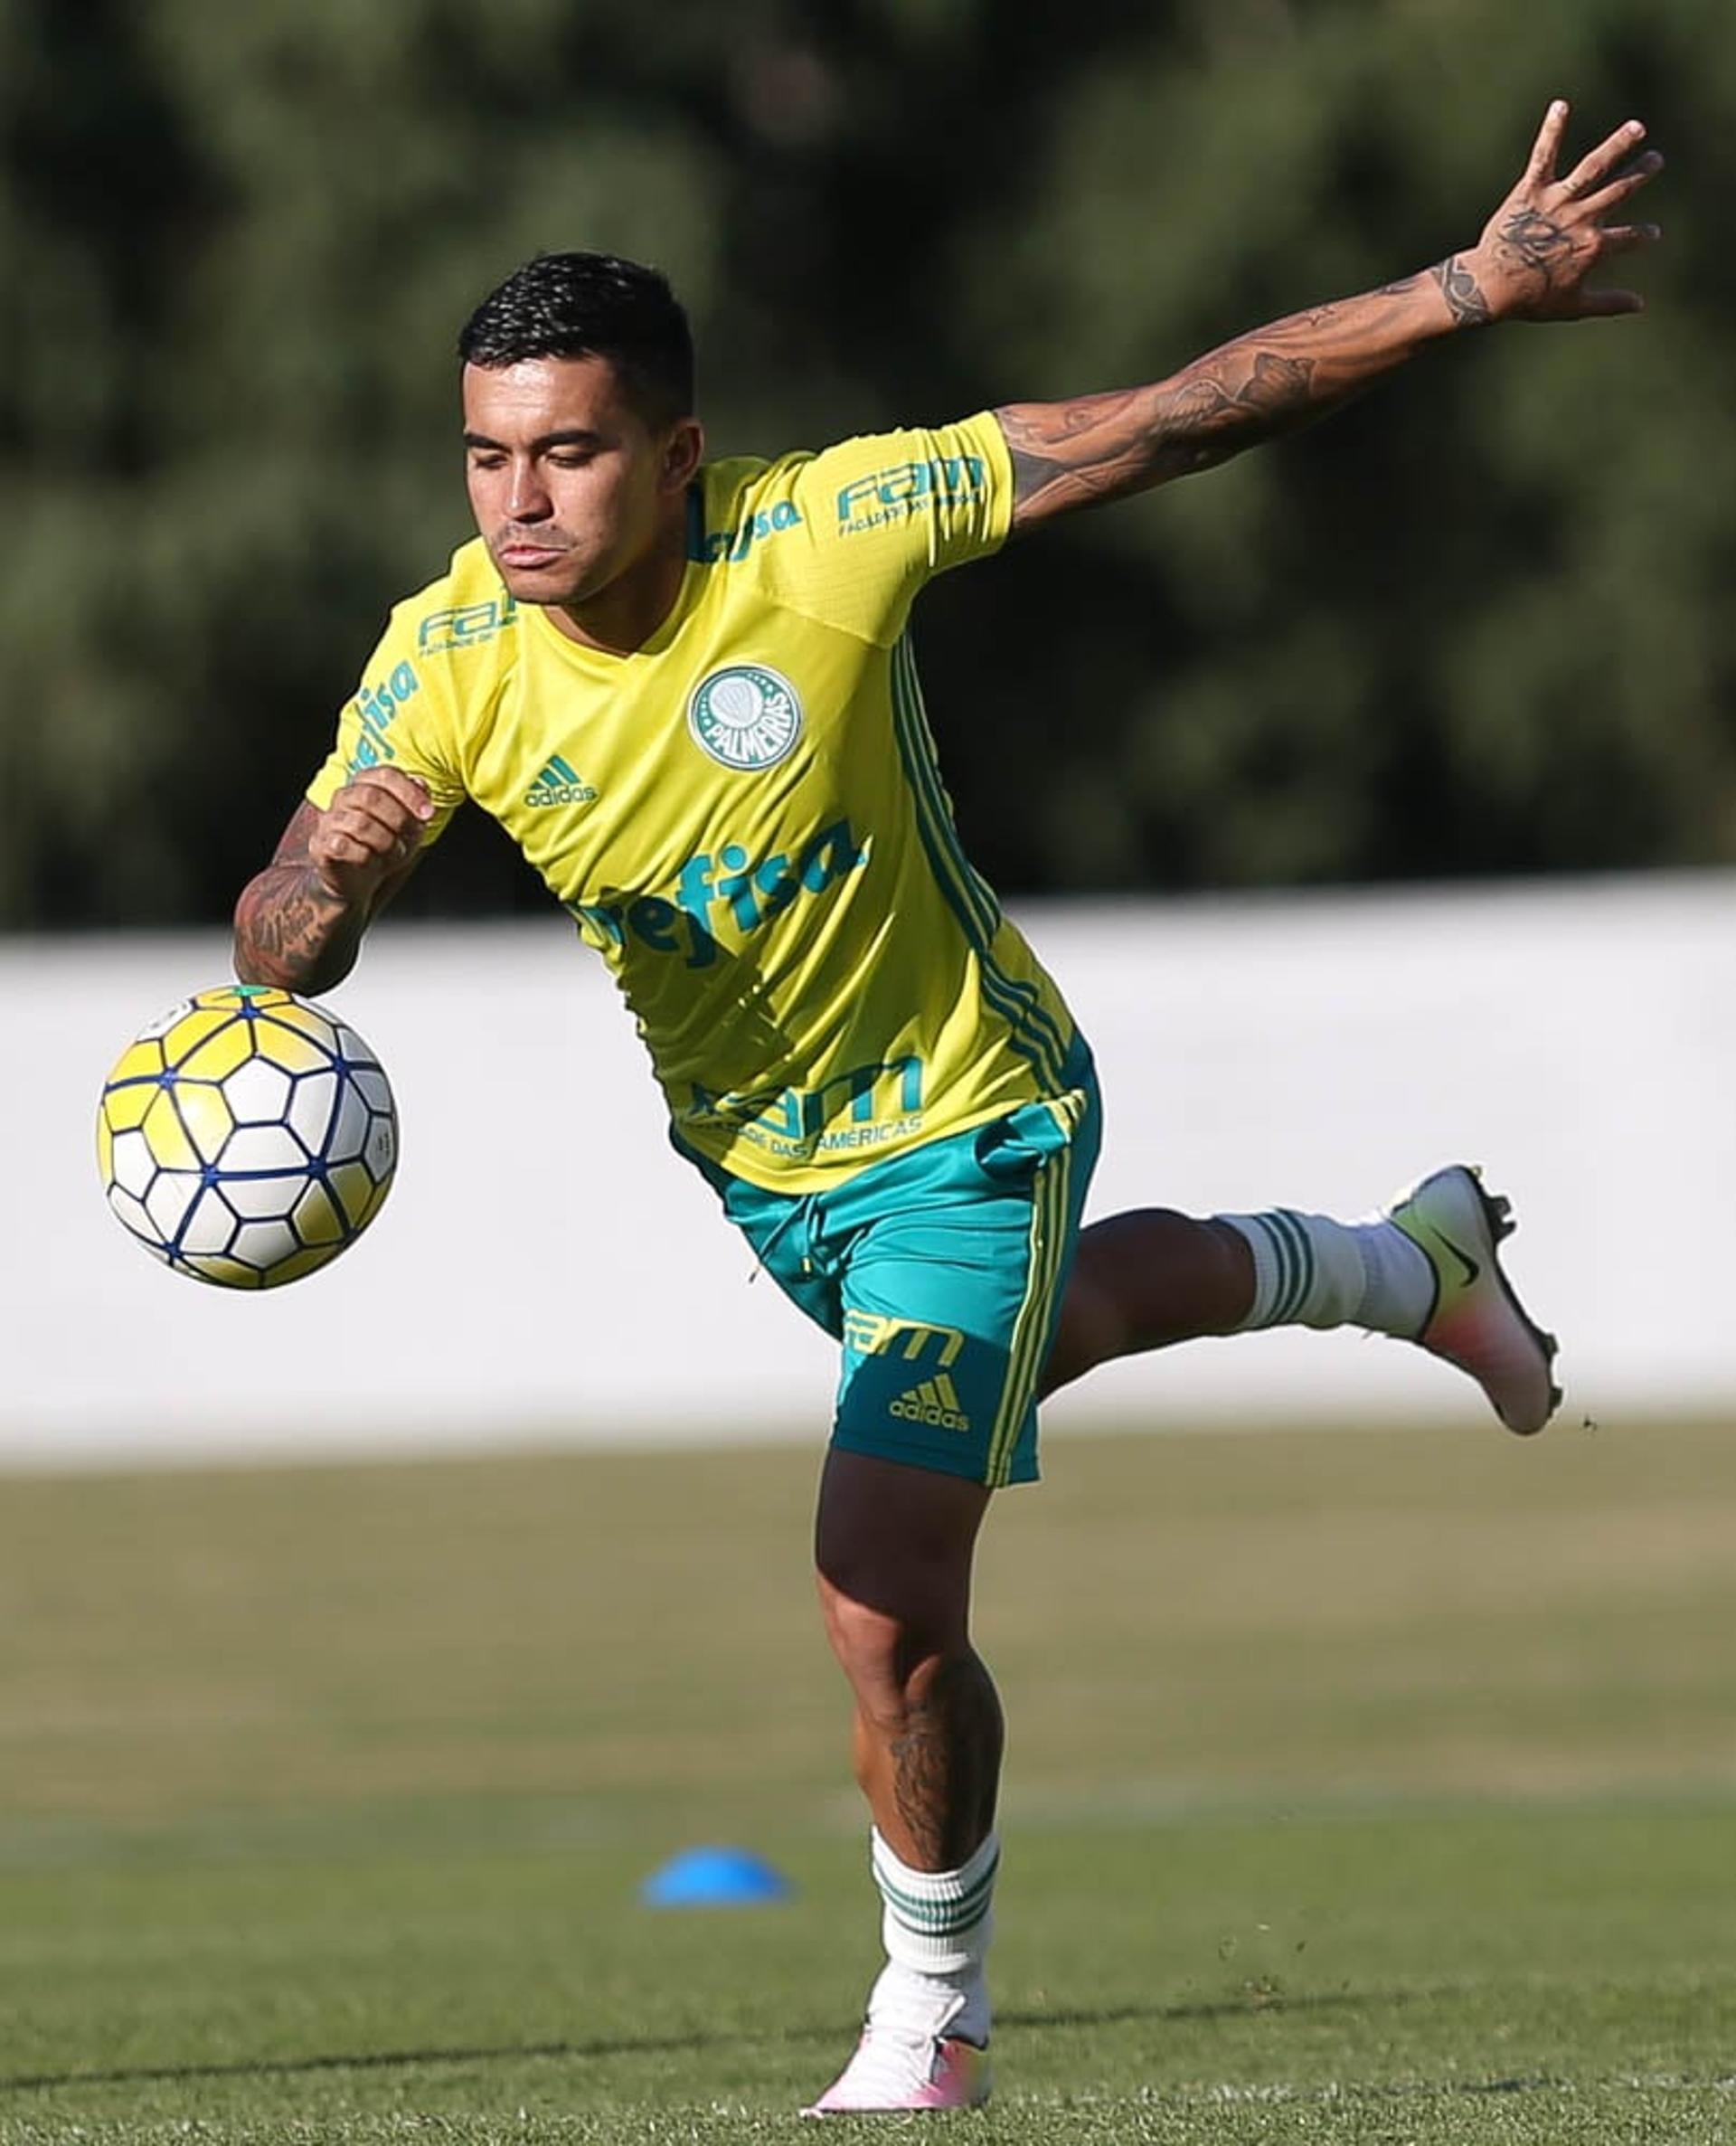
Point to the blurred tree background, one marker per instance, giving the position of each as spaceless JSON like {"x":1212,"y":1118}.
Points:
{"x":1477,"y":624}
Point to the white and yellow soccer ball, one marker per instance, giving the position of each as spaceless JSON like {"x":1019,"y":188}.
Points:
{"x":247,"y":1136}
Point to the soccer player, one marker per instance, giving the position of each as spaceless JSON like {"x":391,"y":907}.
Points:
{"x":686,"y":689}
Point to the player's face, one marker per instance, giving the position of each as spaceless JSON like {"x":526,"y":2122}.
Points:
{"x":571,"y":488}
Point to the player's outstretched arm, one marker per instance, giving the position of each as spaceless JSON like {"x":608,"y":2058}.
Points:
{"x":1534,"y":261}
{"x":298,"y":924}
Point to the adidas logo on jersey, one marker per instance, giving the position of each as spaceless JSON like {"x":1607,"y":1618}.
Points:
{"x":559,"y":784}
{"x":934,"y":1402}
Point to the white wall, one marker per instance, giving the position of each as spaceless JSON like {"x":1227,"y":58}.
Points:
{"x":546,"y":1268}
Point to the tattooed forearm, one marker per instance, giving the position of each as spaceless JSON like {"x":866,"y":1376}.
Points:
{"x":1462,"y":292}
{"x":299,"y":924}
{"x":1074,"y":454}
{"x":1261,"y":386}
{"x":292,"y":932}
{"x":1531,"y":263}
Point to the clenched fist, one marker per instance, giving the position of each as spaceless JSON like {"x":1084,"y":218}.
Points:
{"x":370,"y":831}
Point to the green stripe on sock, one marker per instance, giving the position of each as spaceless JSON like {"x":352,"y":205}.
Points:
{"x":1280,"y":1248}
{"x":1294,"y":1227}
{"x":940,"y":1918}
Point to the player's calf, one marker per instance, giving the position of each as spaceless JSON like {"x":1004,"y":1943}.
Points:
{"x":1143,"y":1280}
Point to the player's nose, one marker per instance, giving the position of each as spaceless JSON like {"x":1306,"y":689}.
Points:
{"x":527,"y":499}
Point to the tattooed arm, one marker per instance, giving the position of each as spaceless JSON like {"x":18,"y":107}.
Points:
{"x":298,"y":924}
{"x":1531,"y":263}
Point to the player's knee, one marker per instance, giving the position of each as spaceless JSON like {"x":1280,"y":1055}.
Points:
{"x":881,"y":1642}
{"x":893,"y":1554}
{"x":868,"y":1644}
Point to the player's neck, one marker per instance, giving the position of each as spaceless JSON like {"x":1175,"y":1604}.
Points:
{"x":623,"y":617}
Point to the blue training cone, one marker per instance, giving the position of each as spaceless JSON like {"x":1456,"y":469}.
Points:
{"x":714,"y":1877}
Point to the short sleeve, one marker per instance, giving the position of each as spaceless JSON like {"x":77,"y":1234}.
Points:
{"x":885,"y":512}
{"x":400,"y":716}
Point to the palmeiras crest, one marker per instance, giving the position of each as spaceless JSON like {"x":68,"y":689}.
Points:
{"x":745,"y":715}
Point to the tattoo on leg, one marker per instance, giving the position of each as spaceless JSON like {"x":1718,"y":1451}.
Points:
{"x":947,"y":1762}
{"x":1462,"y":292}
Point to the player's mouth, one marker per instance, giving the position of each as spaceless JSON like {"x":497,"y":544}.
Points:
{"x":527,"y":557}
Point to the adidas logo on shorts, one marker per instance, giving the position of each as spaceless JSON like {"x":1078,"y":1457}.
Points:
{"x":934,"y":1402}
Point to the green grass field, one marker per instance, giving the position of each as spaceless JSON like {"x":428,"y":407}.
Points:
{"x":1363,"y":1787}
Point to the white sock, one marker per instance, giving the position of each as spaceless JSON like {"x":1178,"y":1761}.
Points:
{"x":1310,"y":1270}
{"x":935,"y":1926}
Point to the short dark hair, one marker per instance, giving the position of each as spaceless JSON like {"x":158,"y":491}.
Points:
{"x":592,"y":304}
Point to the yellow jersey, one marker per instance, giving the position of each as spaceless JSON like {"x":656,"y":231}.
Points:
{"x":744,"y":816}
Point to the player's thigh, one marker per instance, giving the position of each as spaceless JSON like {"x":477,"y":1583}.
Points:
{"x":893,"y":1548}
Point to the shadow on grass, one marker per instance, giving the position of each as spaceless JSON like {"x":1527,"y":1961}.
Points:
{"x":667,"y":2046}
{"x":1239,"y":2007}
{"x":280,"y":2067}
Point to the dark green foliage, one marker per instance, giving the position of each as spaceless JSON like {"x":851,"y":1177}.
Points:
{"x":1475,"y":625}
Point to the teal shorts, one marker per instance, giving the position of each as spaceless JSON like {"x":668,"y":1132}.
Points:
{"x":941,"y":1273}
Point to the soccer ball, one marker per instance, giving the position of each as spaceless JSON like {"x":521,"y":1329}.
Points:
{"x":247,"y":1136}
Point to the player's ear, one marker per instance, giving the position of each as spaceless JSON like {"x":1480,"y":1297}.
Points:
{"x":683,"y":450}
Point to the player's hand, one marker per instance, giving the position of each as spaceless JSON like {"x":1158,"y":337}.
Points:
{"x":1550,"y":234}
{"x":371,"y":830}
